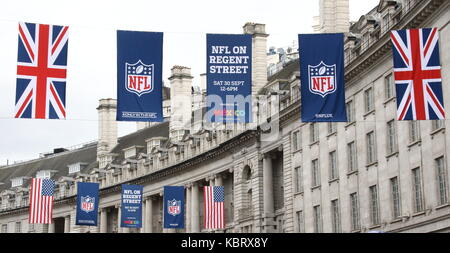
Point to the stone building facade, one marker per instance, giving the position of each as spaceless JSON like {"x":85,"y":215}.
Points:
{"x":281,"y":175}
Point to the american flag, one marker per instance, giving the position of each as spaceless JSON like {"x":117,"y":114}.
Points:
{"x":41,"y":71}
{"x":417,"y":73}
{"x":41,"y":201}
{"x":214,"y":209}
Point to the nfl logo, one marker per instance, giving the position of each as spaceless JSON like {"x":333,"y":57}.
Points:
{"x":322,"y":79}
{"x":174,"y":207}
{"x":139,"y":78}
{"x":87,"y":204}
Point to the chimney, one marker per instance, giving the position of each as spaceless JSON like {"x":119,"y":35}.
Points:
{"x":107,"y":126}
{"x":259,"y":54}
{"x":334,"y":16}
{"x":259,"y":63}
{"x":203,"y":82}
{"x":180,"y":101}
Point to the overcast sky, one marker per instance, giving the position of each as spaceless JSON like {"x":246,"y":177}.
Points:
{"x":92,"y":53}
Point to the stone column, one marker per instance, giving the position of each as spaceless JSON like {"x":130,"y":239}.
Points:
{"x":268,"y":193}
{"x":195,"y":210}
{"x":67,"y":224}
{"x":119,"y":219}
{"x":51,"y":227}
{"x":188,"y":208}
{"x":103,"y":221}
{"x":218,"y":180}
{"x":149,"y":215}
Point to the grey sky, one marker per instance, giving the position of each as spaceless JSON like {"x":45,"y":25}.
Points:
{"x":92,"y":53}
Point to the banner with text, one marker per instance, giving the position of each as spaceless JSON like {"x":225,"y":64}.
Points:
{"x":131,"y":208}
{"x":87,"y":204}
{"x":173,"y":207}
{"x":139,"y":76}
{"x":322,"y":77}
{"x":229,"y":77}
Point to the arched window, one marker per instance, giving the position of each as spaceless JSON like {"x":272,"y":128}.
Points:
{"x":246,"y":173}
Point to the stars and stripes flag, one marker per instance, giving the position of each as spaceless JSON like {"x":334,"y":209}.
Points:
{"x":214,"y":207}
{"x":417,"y":74}
{"x":41,"y":201}
{"x":41,"y":71}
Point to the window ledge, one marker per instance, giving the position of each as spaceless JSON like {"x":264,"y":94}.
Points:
{"x":418,"y":214}
{"x":352,"y":172}
{"x":333,"y":180}
{"x":434,"y":132}
{"x":418,"y":142}
{"x":396,"y":220}
{"x":298,"y":151}
{"x":315,"y":187}
{"x":388,"y":100}
{"x":442,"y":206}
{"x":369,"y":112}
{"x":298,"y":194}
{"x":350,"y":124}
{"x":395,"y":153}
{"x":371,"y":164}
{"x":375,"y":226}
{"x":332,"y":134}
{"x":313,"y":143}
{"x":356,"y":231}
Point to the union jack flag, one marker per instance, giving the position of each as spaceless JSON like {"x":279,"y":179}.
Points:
{"x":41,"y":71}
{"x":417,"y":73}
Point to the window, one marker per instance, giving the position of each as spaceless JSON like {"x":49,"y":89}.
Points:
{"x":30,"y":227}
{"x":44,"y":174}
{"x":388,"y":87}
{"x":335,"y":216}
{"x":368,"y":100}
{"x":437,"y":124}
{"x":442,"y":180}
{"x":18,"y":181}
{"x":300,"y":222}
{"x":395,"y":197}
{"x":313,"y":133}
{"x":386,"y":22}
{"x":374,"y":208}
{"x":350,"y":107}
{"x":417,"y":190}
{"x":5,"y":228}
{"x":371,"y":149}
{"x":332,"y":127}
{"x":391,"y":138}
{"x":317,"y":220}
{"x":365,"y":40}
{"x":351,"y":156}
{"x":414,"y":131}
{"x":297,"y":140}
{"x":315,"y":173}
{"x":333,"y":166}
{"x":354,"y":205}
{"x":298,"y":179}
{"x":18,"y":227}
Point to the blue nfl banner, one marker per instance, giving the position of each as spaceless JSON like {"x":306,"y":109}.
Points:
{"x":131,"y":208}
{"x":229,"y":77}
{"x":139,"y":76}
{"x":322,"y":77}
{"x":173,"y":207}
{"x":87,"y":204}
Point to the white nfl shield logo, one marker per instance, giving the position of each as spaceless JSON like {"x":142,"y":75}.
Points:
{"x":322,"y":79}
{"x":139,"y":78}
{"x":174,"y":207}
{"x":87,"y":204}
